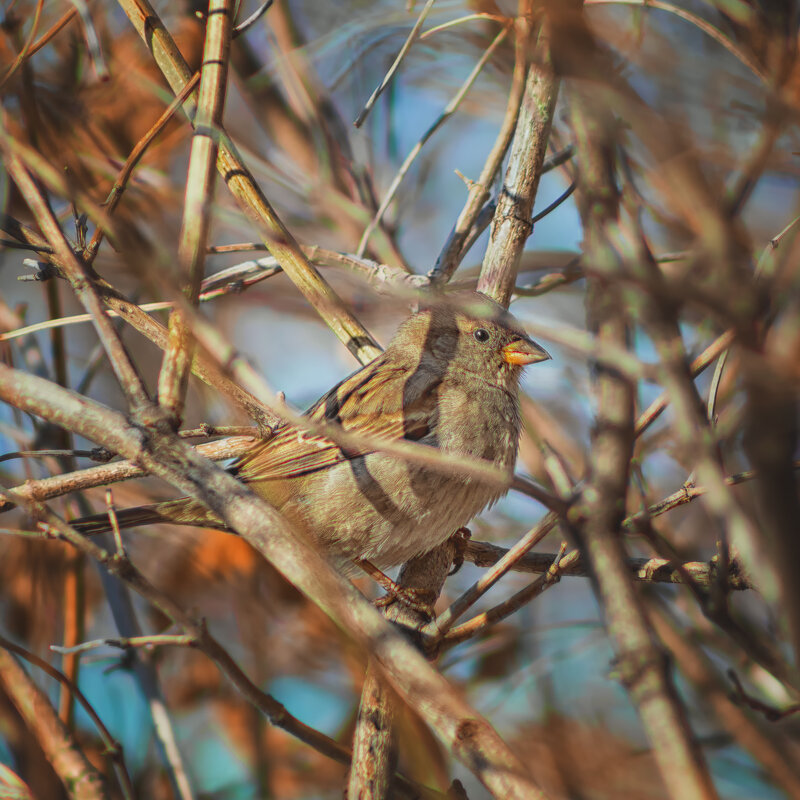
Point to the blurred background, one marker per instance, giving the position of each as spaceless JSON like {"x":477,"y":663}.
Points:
{"x":705,"y":71}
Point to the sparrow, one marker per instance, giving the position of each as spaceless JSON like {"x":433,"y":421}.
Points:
{"x":449,"y":379}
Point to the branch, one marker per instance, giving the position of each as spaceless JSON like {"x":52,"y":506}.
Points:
{"x":642,"y":664}
{"x":248,"y":194}
{"x":200,"y":183}
{"x":454,"y":250}
{"x":466,"y":734}
{"x":650,"y":570}
{"x":60,"y":748}
{"x":57,"y":485}
{"x":511,"y":225}
{"x":414,"y":33}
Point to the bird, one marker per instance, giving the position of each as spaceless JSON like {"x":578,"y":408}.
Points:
{"x":449,"y":379}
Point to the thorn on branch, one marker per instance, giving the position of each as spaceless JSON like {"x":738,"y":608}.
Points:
{"x":125,"y":662}
{"x":252,"y":19}
{"x":468,"y":182}
{"x":742,"y":698}
{"x":43,"y":270}
{"x":101,"y":454}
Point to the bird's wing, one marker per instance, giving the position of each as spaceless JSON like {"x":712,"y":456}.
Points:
{"x":381,"y":399}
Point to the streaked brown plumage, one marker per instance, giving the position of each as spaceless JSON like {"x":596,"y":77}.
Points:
{"x":449,"y":379}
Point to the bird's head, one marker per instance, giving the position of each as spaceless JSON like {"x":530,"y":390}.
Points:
{"x":467,"y":331}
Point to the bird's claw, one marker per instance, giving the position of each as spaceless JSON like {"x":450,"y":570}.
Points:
{"x":418,"y":600}
{"x":459,"y":539}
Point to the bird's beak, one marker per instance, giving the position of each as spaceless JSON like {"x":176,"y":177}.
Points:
{"x":524,"y":351}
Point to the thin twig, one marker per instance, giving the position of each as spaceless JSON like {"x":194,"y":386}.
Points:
{"x":770,"y":713}
{"x":123,"y":643}
{"x":511,"y":224}
{"x":176,"y":363}
{"x":713,"y":389}
{"x":252,"y":19}
{"x":447,"y":112}
{"x":46,"y":37}
{"x":698,"y":365}
{"x":121,"y":181}
{"x":648,"y":570}
{"x":442,"y":624}
{"x":26,"y":47}
{"x":459,"y":21}
{"x":455,"y":247}
{"x":395,"y":65}
{"x":563,"y":197}
{"x":480,"y":623}
{"x":95,"y":455}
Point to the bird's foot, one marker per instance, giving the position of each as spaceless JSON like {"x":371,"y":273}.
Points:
{"x":419,"y":600}
{"x":416,"y":599}
{"x":460,"y":540}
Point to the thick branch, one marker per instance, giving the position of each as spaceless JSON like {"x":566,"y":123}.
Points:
{"x":64,"y":754}
{"x":251,"y":199}
{"x":642,"y":664}
{"x":511,"y":225}
{"x":468,"y":736}
{"x":200,"y":183}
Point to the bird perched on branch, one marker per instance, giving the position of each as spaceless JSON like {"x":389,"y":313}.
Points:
{"x":448,"y":379}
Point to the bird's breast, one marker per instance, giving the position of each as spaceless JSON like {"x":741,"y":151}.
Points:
{"x":480,"y":421}
{"x":388,"y":510}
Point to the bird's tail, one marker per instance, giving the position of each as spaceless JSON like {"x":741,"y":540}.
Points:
{"x":184,"y":511}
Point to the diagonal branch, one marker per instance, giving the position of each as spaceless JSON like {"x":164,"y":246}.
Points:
{"x":467,"y":735}
{"x":78,"y":276}
{"x":58,"y":744}
{"x":511,"y":225}
{"x":200,"y":182}
{"x":642,"y":663}
{"x":251,"y":199}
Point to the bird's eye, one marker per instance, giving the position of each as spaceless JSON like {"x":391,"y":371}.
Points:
{"x":481,"y":335}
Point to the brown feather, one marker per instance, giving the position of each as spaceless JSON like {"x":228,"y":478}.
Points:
{"x":449,"y":380}
{"x":370,"y":401}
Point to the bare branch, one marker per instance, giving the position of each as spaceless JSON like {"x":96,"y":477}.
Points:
{"x":62,"y":751}
{"x":512,"y":226}
{"x":251,"y":199}
{"x":641,"y":662}
{"x":200,"y":184}
{"x":469,"y":737}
